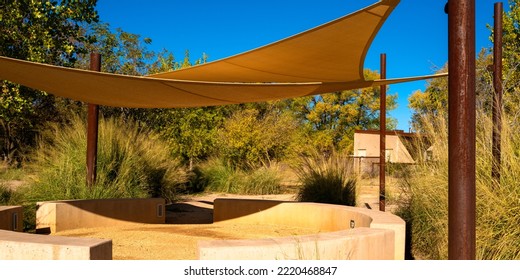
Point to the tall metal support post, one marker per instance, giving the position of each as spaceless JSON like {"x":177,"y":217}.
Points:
{"x":92,"y":128}
{"x":461,"y":139}
{"x":382,"y":136}
{"x":497,"y":97}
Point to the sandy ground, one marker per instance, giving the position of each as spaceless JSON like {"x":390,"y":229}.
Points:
{"x":176,"y":242}
{"x":188,"y":222}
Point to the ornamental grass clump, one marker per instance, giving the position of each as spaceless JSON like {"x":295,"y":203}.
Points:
{"x":327,"y":179}
{"x":132,"y":163}
{"x":6,"y":195}
{"x":497,"y":203}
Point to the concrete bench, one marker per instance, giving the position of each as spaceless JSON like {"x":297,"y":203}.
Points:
{"x":25,"y":246}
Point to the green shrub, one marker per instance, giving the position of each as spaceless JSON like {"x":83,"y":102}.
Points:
{"x":216,"y":176}
{"x":9,"y":196}
{"x":5,"y":195}
{"x":132,"y":163}
{"x":250,"y":139}
{"x":327,"y":180}
{"x":10,"y":173}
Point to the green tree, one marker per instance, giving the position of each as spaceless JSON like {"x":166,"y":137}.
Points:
{"x":190,"y":132}
{"x":45,"y":31}
{"x":121,"y":53}
{"x":41,"y":31}
{"x":511,"y":58}
{"x":433,"y":101}
{"x":331,"y":119}
{"x":252,"y":138}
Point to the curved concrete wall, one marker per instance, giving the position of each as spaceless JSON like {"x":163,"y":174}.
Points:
{"x":345,"y":232}
{"x":54,"y":216}
{"x":11,"y":218}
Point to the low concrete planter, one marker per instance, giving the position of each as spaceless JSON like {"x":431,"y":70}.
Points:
{"x":343,"y":232}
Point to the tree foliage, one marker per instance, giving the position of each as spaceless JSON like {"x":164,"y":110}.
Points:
{"x":121,"y":52}
{"x":331,"y":119}
{"x":66,"y":32}
{"x":250,"y":138}
{"x":434,"y":100}
{"x":40,"y":31}
{"x":511,"y":61}
{"x":511,"y":38}
{"x":191,"y":132}
{"x":45,"y":31}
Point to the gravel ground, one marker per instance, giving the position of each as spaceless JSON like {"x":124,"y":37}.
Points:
{"x":176,"y":242}
{"x":188,"y":222}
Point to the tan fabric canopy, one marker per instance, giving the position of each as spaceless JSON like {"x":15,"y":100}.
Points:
{"x":324,"y":59}
{"x":333,"y":52}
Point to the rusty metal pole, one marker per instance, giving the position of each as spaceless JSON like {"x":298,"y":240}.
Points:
{"x":497,"y":96}
{"x":461,"y":139}
{"x":382,"y":135}
{"x":92,"y":128}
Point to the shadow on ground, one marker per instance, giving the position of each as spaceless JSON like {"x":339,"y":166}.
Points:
{"x":187,"y":213}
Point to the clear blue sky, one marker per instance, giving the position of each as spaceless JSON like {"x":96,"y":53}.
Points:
{"x":414,"y":37}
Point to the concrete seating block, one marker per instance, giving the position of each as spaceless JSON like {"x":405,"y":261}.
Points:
{"x":25,"y":246}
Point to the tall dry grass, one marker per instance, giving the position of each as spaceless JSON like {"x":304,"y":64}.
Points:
{"x":498,"y":208}
{"x":132,"y":163}
{"x":327,"y":179}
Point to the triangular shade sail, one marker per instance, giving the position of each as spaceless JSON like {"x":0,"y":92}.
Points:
{"x":333,"y":52}
{"x":324,"y":59}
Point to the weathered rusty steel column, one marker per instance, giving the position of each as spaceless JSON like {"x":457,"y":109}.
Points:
{"x":497,"y":97}
{"x":461,"y":139}
{"x":92,"y":128}
{"x":382,"y":135}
